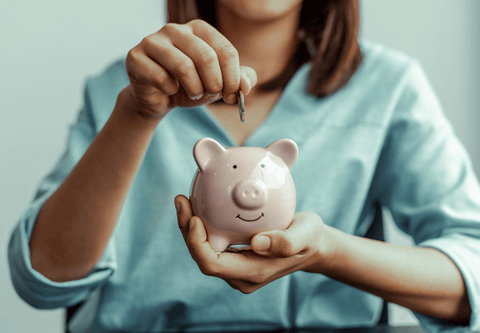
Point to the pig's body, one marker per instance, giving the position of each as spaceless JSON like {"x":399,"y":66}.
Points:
{"x":240,"y":191}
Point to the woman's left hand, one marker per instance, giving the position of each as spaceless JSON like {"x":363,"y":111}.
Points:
{"x":302,"y":246}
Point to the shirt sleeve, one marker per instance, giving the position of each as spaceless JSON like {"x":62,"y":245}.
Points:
{"x":31,"y":286}
{"x":426,"y":180}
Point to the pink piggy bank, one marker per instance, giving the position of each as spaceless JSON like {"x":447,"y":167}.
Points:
{"x":240,"y":191}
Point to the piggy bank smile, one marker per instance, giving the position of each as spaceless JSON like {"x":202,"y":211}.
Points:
{"x":251,"y":184}
{"x":258,"y":218}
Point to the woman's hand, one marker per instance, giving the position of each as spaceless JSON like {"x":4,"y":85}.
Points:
{"x":404,"y":275}
{"x":275,"y":253}
{"x":185,"y":65}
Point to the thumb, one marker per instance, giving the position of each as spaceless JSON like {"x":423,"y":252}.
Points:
{"x":248,"y":79}
{"x":277,"y":243}
{"x":299,"y":236}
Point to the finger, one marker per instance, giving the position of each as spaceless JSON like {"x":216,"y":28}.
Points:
{"x":184,"y":214}
{"x":227,"y":56}
{"x":285,"y":243}
{"x":250,"y":267}
{"x":205,"y":59}
{"x":245,"y":266}
{"x":174,"y":61}
{"x":247,"y":287}
{"x":233,"y":266}
{"x":200,"y":249}
{"x":145,"y":72}
{"x":244,"y":286}
{"x":254,"y":274}
{"x":248,"y":79}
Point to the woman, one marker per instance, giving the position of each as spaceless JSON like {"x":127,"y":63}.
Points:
{"x":369,"y":130}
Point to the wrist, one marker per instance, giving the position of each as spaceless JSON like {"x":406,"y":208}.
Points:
{"x":127,"y":108}
{"x":125,"y":124}
{"x":325,"y":251}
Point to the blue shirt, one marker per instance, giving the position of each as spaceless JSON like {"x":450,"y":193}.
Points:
{"x":381,"y":138}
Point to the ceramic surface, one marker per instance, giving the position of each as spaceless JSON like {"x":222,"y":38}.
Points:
{"x":240,"y":191}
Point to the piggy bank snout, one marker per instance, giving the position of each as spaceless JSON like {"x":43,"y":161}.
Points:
{"x":250,"y":194}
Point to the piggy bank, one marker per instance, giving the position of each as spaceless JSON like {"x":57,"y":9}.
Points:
{"x":240,"y":191}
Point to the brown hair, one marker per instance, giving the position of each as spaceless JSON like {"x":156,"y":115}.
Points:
{"x":327,"y":28}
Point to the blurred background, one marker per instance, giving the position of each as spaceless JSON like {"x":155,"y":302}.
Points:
{"x":49,"y":48}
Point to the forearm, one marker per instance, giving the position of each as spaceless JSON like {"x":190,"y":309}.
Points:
{"x":422,"y":279}
{"x":76,"y":222}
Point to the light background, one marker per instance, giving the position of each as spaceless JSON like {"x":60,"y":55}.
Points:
{"x":48,"y":49}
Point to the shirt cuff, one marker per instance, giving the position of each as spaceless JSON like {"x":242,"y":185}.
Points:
{"x":464,"y":251}
{"x":39,"y":291}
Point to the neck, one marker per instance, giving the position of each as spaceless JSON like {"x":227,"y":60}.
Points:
{"x":266,"y":46}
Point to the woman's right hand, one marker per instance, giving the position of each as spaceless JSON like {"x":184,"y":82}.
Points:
{"x":185,"y":65}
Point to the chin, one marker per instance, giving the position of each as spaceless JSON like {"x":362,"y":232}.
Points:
{"x":260,"y":10}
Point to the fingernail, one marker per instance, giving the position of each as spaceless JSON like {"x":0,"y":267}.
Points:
{"x":213,"y":96}
{"x":195,"y":98}
{"x":262,"y":243}
{"x":177,"y":206}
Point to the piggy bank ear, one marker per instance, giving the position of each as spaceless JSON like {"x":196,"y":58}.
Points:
{"x":204,"y":150}
{"x":286,"y":149}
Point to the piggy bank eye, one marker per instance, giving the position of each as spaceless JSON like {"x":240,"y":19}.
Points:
{"x":262,"y":165}
{"x":234,"y":166}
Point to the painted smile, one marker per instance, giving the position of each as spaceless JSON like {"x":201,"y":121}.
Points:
{"x":258,"y":218}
